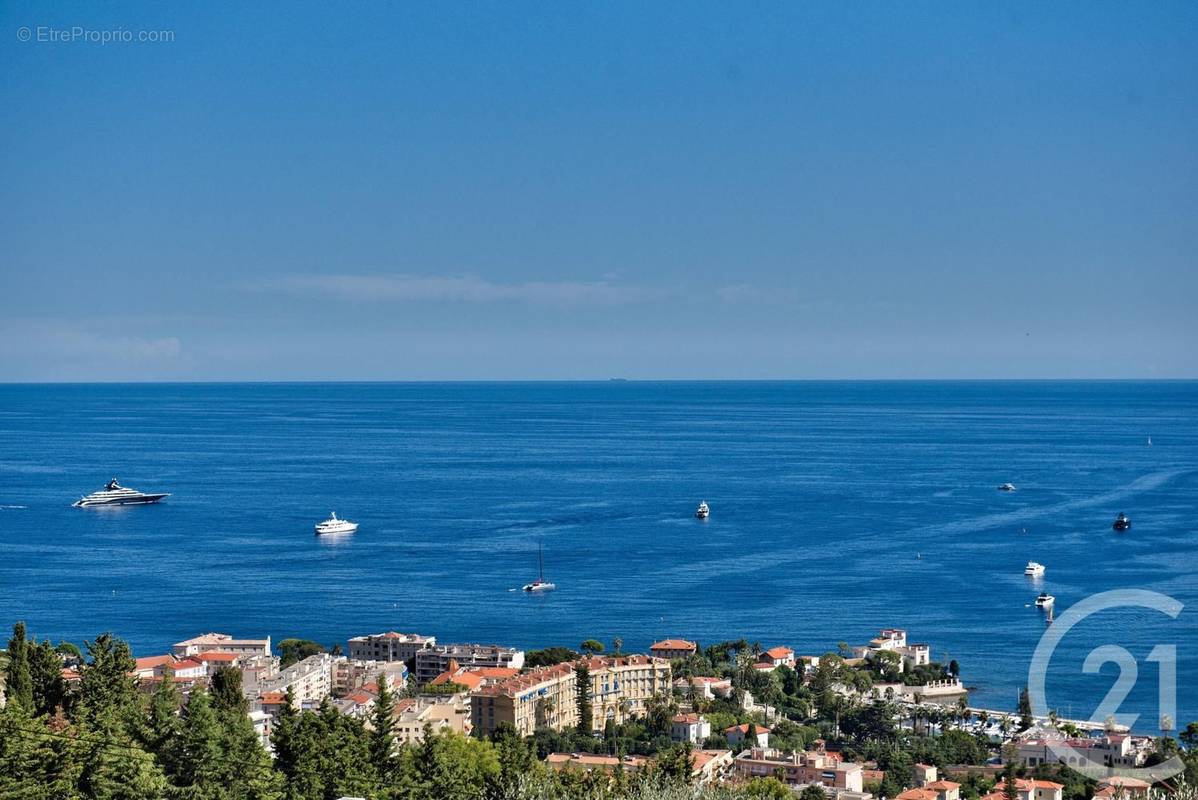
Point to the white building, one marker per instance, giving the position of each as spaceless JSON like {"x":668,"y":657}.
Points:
{"x":691,"y":728}
{"x":224,"y":642}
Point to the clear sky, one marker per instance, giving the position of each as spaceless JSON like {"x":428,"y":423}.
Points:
{"x":414,"y":190}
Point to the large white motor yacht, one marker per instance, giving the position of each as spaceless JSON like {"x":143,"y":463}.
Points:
{"x":113,"y":494}
{"x":334,"y":525}
{"x":1034,"y":569}
{"x":1045,"y":600}
{"x":703,"y":512}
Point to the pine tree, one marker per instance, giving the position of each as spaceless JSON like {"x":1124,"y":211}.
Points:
{"x":382,"y":743}
{"x":199,"y":764}
{"x":107,"y":690}
{"x":1025,"y":709}
{"x":45,"y":672}
{"x":18,"y":682}
{"x":582,"y":684}
{"x":161,"y":731}
{"x":226,"y":691}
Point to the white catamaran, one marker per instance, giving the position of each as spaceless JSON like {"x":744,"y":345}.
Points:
{"x":540,"y":584}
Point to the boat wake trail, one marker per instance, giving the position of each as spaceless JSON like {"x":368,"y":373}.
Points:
{"x":1008,"y":518}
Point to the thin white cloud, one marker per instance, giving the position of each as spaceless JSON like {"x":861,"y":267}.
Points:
{"x":29,"y":339}
{"x":465,"y":289}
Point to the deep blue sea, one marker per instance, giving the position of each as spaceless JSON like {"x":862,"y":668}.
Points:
{"x":837,"y":509}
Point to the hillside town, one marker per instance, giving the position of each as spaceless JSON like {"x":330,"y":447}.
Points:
{"x":877,"y":720}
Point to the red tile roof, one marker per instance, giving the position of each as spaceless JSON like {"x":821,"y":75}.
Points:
{"x":745,"y":729}
{"x":216,"y":655}
{"x":779,"y":652}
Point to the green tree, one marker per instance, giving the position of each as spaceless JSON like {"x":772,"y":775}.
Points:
{"x":45,"y":673}
{"x":107,"y":690}
{"x":1025,"y":710}
{"x":17,"y":680}
{"x":161,"y":731}
{"x":813,"y":792}
{"x":292,"y":651}
{"x":591,"y":647}
{"x":226,"y":691}
{"x":767,"y":789}
{"x":200,"y":754}
{"x":382,"y":742}
{"x":447,"y":766}
{"x":582,"y":685}
{"x":548,"y":657}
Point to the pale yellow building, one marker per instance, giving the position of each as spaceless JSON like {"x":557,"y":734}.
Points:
{"x":621,"y":687}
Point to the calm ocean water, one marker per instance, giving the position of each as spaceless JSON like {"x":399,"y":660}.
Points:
{"x":837,"y":509}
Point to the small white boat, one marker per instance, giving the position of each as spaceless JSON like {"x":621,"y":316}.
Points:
{"x":540,"y":584}
{"x":334,"y":525}
{"x":702,"y":512}
{"x":1045,"y":600}
{"x":1007,"y":487}
{"x":1034,"y":569}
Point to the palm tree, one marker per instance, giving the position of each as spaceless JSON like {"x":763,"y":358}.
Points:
{"x":617,"y":644}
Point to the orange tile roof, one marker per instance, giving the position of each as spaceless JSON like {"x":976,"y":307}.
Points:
{"x":273,"y":698}
{"x":150,"y":662}
{"x":745,"y":728}
{"x":689,"y":719}
{"x":779,"y":652}
{"x":942,"y":786}
{"x":216,"y":655}
{"x":527,"y":680}
{"x":186,"y":663}
{"x":471,"y":680}
{"x":916,"y":794}
{"x":673,"y":644}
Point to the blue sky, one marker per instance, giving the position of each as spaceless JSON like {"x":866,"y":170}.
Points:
{"x":561,"y":190}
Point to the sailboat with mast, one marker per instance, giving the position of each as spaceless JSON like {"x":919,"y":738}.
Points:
{"x":540,"y":584}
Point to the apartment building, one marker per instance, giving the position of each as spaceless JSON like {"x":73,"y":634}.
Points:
{"x":799,"y":769}
{"x":310,"y":680}
{"x":432,"y":661}
{"x":389,"y":646}
{"x":223,"y":642}
{"x":621,"y":687}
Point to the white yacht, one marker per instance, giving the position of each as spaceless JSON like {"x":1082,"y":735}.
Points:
{"x":1045,"y":600}
{"x":1034,"y":568}
{"x":703,"y":512}
{"x":1007,"y":487}
{"x":334,"y":525}
{"x":540,"y":584}
{"x":113,"y":494}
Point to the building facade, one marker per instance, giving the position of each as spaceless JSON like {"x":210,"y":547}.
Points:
{"x":621,"y":688}
{"x":432,"y":661}
{"x":389,"y":646}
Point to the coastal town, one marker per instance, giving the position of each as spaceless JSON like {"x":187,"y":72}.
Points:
{"x":878,"y":720}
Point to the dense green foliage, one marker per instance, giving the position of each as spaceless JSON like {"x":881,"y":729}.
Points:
{"x":292,"y":651}
{"x":548,"y":657}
